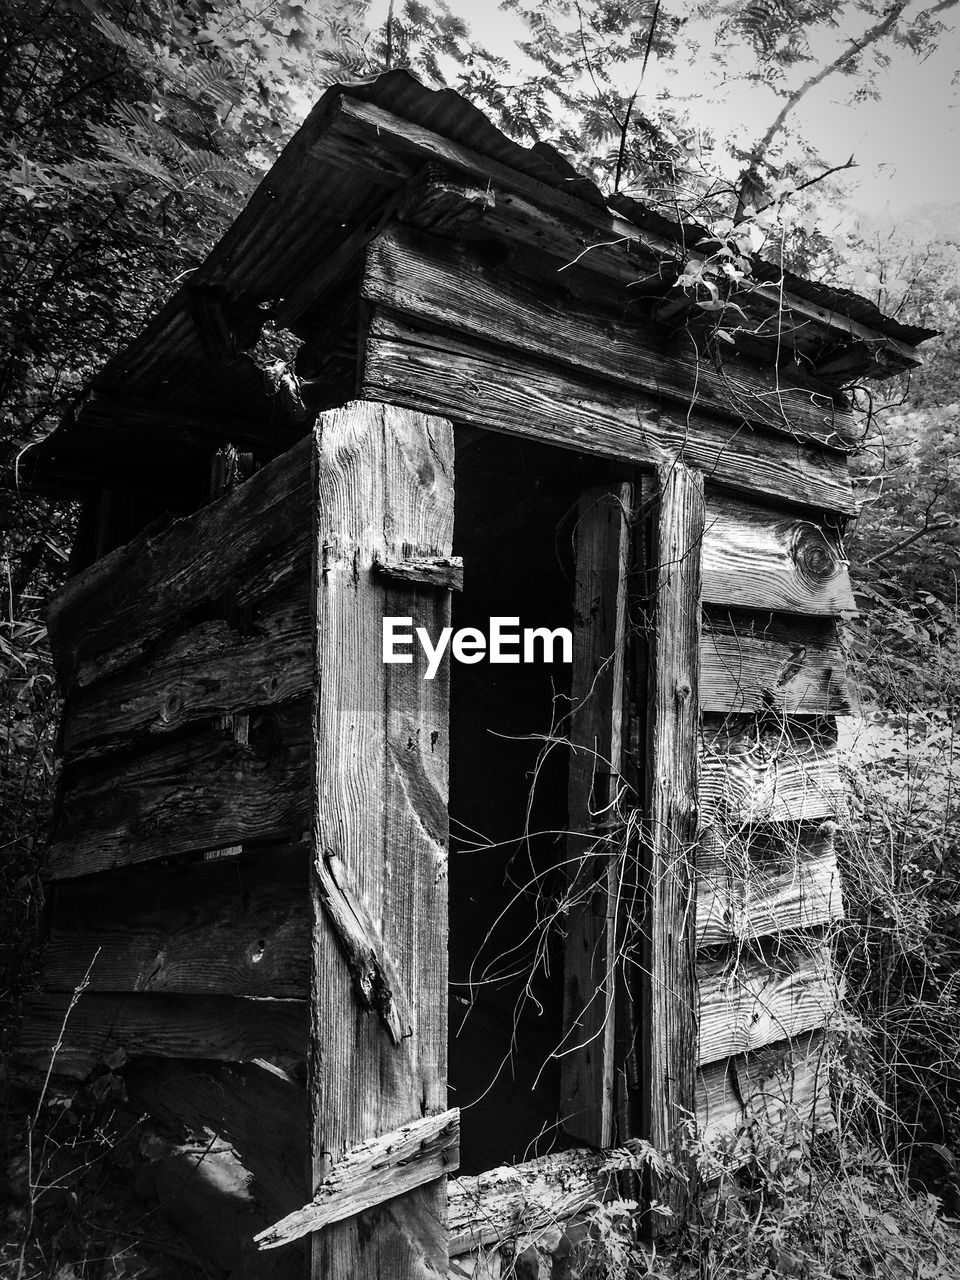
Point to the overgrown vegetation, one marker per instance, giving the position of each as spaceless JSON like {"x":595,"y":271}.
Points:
{"x":131,"y":133}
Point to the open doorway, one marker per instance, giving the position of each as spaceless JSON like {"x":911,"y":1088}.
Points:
{"x":515,"y":519}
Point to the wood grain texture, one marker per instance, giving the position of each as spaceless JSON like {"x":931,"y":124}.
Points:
{"x":212,"y":669}
{"x":587,"y":1067}
{"x":391,"y":150}
{"x":757,"y":769}
{"x":751,"y":662}
{"x":748,"y":1000}
{"x":363,"y":137}
{"x":583,"y":321}
{"x":502,"y":1203}
{"x":443,"y":572}
{"x":260,"y":1111}
{"x":755,"y":558}
{"x":668,"y":1001}
{"x":114,"y":1029}
{"x":765,"y":886}
{"x":782,"y":1084}
{"x":391,"y":1165}
{"x":645,"y":263}
{"x":203,"y":792}
{"x":246,"y":544}
{"x":384,"y":484}
{"x":239,"y":926}
{"x":476,"y":384}
{"x":779,"y":1084}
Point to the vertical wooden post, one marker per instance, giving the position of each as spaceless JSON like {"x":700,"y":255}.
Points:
{"x":668,"y":1004}
{"x":596,"y":735}
{"x":379,"y":997}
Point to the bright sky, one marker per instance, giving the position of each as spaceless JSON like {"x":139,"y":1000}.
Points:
{"x":906,"y":144}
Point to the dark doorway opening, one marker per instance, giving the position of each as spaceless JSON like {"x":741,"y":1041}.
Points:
{"x":515,"y":518}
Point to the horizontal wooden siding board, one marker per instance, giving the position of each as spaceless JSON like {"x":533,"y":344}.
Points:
{"x":204,"y":792}
{"x":212,"y":669}
{"x":260,"y":1112}
{"x":782,"y":1083}
{"x":755,"y":558}
{"x":235,"y":926}
{"x":114,"y":1028}
{"x":255,"y":536}
{"x":755,"y":770}
{"x":747,"y":1001}
{"x":749,"y":663}
{"x":745,"y":892}
{"x":475,"y":384}
{"x":534,"y":309}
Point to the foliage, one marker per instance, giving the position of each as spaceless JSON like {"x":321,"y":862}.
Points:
{"x":819,"y":1207}
{"x":131,"y":134}
{"x":783,"y":1202}
{"x":33,"y":557}
{"x":901,"y":874}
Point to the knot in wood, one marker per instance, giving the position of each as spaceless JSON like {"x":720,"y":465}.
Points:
{"x":172,"y":706}
{"x":815,"y":558}
{"x":683,"y":692}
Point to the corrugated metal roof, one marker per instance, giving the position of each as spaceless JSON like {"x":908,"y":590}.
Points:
{"x":301,"y":212}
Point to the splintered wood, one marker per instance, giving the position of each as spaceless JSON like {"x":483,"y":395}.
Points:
{"x":379,"y":1170}
{"x":384,"y":483}
{"x":504,"y":1204}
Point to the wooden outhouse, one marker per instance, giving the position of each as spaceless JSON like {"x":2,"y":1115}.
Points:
{"x":269,"y":841}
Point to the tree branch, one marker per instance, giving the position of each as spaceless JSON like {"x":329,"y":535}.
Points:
{"x":869,"y":37}
{"x":941,"y":526}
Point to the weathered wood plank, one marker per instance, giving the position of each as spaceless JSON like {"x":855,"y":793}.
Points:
{"x":391,"y":150}
{"x":473,"y":383}
{"x":754,"y":663}
{"x":502,"y":1203}
{"x":769,"y":317}
{"x":363,"y":137}
{"x":245,"y":544}
{"x":747,"y":1001}
{"x":237,"y":927}
{"x":770,"y":560}
{"x":260,"y":1111}
{"x":582,"y":321}
{"x":587,"y":1067}
{"x":749,"y":888}
{"x":212,"y":669}
{"x":668,"y":1051}
{"x":116,"y":1028}
{"x":755,"y":770}
{"x":515,"y":219}
{"x":372,"y":1173}
{"x":778,"y":1085}
{"x":442,"y":572}
{"x":384,"y":482}
{"x":204,"y":792}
